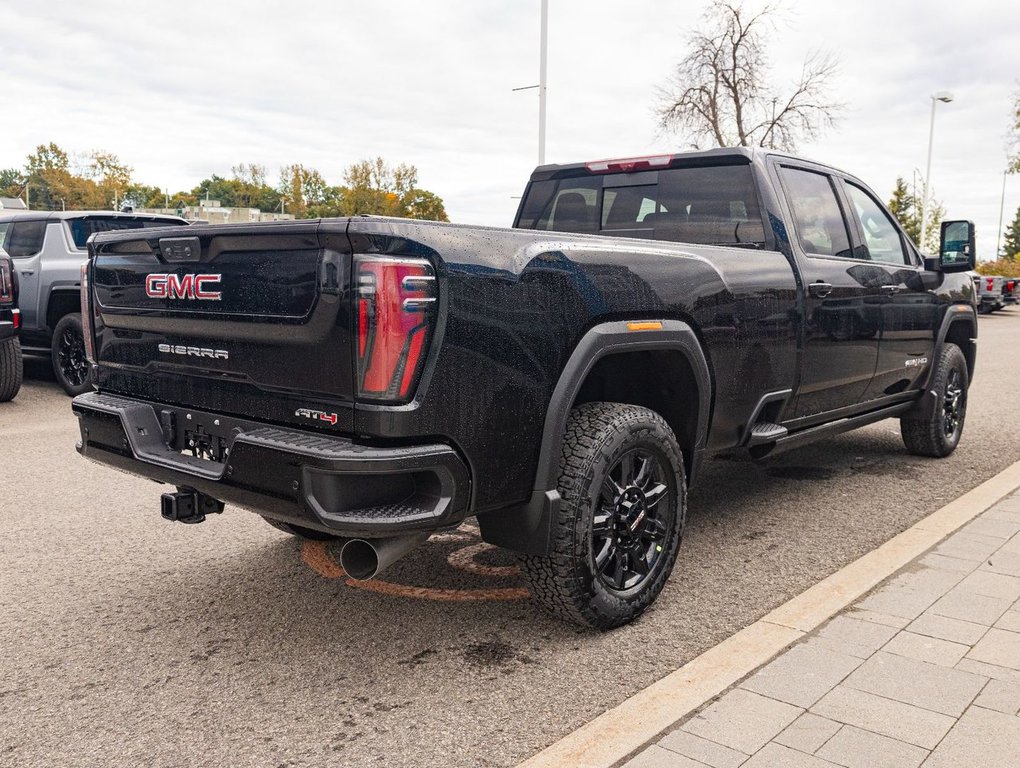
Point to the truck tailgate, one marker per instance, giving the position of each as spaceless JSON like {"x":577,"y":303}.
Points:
{"x":247,"y":319}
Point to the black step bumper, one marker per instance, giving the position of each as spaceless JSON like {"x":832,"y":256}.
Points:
{"x":9,"y":323}
{"x":328,"y":483}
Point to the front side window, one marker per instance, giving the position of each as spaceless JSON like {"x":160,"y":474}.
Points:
{"x":881,"y":237}
{"x":25,"y":238}
{"x":821,"y":229}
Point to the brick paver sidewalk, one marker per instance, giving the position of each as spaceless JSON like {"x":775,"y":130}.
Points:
{"x":924,"y":671}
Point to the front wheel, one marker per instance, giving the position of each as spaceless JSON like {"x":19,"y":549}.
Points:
{"x":67,"y":352}
{"x":934,"y":428}
{"x":617,"y":533}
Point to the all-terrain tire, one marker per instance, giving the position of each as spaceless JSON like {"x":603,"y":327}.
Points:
{"x":934,"y":428}
{"x":11,"y":369}
{"x":300,"y":531}
{"x":568,"y":581}
{"x":67,"y":353}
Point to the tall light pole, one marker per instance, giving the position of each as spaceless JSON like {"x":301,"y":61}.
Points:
{"x":945,"y":97}
{"x":542,"y":57}
{"x":1002,"y":205}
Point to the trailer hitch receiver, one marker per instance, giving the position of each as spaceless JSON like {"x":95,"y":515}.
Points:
{"x":188,"y":506}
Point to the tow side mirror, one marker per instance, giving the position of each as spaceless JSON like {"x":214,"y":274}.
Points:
{"x":956,"y":246}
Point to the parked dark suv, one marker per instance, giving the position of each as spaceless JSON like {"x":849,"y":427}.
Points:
{"x":48,"y":250}
{"x":10,"y":321}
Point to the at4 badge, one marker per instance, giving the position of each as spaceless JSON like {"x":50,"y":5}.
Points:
{"x":308,"y":413}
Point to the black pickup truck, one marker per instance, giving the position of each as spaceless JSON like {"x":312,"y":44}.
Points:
{"x":376,"y":379}
{"x":11,"y":369}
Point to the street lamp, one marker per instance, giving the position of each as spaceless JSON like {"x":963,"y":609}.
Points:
{"x":945,"y":97}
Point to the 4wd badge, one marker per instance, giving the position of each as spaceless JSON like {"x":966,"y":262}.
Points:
{"x":308,"y":413}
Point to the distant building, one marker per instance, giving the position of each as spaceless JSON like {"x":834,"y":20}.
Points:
{"x":212,"y":212}
{"x":13,"y":204}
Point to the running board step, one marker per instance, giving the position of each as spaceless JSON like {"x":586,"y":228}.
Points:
{"x":830,"y":429}
{"x":764,"y":433}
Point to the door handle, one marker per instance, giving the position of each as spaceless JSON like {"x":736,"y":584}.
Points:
{"x":28,"y":272}
{"x":820,"y":289}
{"x":890,"y":289}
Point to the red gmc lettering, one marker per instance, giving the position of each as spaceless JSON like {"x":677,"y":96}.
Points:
{"x":172,"y":286}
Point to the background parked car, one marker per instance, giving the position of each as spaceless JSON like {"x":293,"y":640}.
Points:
{"x":48,"y":250}
{"x":10,"y":319}
{"x":989,"y":293}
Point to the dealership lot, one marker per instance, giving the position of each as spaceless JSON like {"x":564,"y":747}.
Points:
{"x":129,"y":640}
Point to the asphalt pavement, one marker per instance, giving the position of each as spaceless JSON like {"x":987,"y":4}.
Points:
{"x":127,"y":640}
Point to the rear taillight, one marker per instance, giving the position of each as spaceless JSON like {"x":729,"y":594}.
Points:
{"x":394,"y":314}
{"x":86,"y":315}
{"x":8,"y":284}
{"x":991,"y":284}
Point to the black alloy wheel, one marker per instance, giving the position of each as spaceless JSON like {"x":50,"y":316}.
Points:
{"x":617,"y":529}
{"x":636,"y":510}
{"x":70,"y":363}
{"x":954,"y":404}
{"x":934,"y":426}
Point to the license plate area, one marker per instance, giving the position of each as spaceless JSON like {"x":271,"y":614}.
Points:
{"x":203,"y":445}
{"x":200,"y":435}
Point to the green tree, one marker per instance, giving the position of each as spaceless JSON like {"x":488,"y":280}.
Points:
{"x":12,"y":182}
{"x":906,"y":207}
{"x":374,"y":187}
{"x":51,"y":185}
{"x":301,"y":188}
{"x":1011,"y":239}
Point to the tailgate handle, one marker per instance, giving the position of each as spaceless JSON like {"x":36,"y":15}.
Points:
{"x":180,"y":249}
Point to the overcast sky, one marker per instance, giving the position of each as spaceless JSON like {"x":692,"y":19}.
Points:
{"x":187,"y":89}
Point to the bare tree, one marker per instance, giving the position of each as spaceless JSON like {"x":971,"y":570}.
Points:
{"x":720,"y":93}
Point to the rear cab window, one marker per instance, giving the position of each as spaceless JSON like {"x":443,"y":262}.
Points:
{"x":714,"y":205}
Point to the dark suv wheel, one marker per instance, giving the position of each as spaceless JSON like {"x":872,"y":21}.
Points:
{"x":70,"y":365}
{"x":623,"y":503}
{"x":934,"y":429}
{"x":11,"y":369}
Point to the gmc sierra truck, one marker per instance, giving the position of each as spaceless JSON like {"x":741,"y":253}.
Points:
{"x":11,"y":369}
{"x":375,"y":380}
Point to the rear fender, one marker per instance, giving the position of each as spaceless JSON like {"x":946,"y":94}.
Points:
{"x":527,"y":528}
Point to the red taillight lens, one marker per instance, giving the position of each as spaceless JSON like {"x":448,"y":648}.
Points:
{"x":395,"y":312}
{"x":86,"y":315}
{"x":991,"y":284}
{"x":8,"y":284}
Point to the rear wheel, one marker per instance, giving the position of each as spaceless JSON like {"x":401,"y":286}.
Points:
{"x":11,"y":369}
{"x":621,"y":515}
{"x":300,"y":531}
{"x":70,"y":364}
{"x":935,"y":429}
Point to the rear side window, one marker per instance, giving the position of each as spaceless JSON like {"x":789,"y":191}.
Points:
{"x":25,"y":238}
{"x":821,"y":228}
{"x":87,"y":225}
{"x":715,"y":206}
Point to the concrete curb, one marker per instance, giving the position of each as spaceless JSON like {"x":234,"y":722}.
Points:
{"x":616,"y":733}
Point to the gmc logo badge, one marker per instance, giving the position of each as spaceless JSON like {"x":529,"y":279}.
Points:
{"x":171,"y":286}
